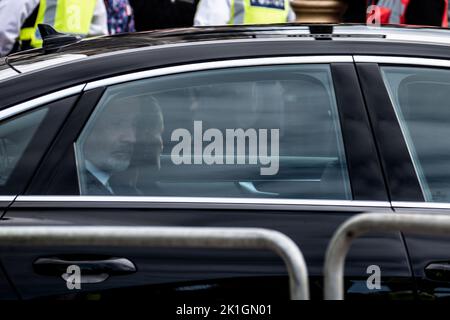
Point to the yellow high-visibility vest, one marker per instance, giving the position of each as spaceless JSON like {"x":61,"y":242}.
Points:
{"x":67,"y":16}
{"x":259,"y":11}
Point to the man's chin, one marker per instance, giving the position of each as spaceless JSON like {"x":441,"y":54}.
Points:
{"x":118,"y":165}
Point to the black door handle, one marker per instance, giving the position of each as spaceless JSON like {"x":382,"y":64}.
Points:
{"x":92,"y":270}
{"x":438,"y":271}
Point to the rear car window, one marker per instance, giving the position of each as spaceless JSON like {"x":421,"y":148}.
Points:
{"x":270,"y":132}
{"x":421,"y":98}
{"x":15,"y":136}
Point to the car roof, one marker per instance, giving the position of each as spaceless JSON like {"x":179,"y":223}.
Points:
{"x":34,"y":73}
{"x":38,"y":59}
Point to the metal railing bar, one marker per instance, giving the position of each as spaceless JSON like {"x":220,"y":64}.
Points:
{"x":169,"y":237}
{"x":422,"y":224}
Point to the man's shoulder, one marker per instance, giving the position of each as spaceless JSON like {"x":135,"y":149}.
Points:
{"x":93,"y":186}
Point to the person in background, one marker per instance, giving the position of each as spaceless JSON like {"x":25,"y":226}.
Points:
{"x":222,"y":12}
{"x":13,"y":14}
{"x":21,"y":18}
{"x":392,"y":11}
{"x":120,"y":16}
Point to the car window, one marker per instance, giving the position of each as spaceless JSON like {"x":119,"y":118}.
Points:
{"x":269,"y":132}
{"x":15,"y":135}
{"x":421,"y":98}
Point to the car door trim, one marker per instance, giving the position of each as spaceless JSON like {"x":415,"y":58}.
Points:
{"x":34,"y":103}
{"x":7,"y":198}
{"x":199,"y":202}
{"x":402,"y":60}
{"x":217,"y":65}
{"x":420,"y":205}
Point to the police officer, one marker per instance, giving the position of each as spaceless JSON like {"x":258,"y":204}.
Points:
{"x":21,"y":18}
{"x":221,"y":12}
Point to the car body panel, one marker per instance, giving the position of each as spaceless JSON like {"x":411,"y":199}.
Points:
{"x":310,"y":229}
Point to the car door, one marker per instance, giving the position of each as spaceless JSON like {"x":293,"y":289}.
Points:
{"x":415,"y":97}
{"x":282,"y":143}
{"x":24,"y":138}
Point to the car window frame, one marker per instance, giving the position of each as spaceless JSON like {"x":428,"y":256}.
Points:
{"x":59,"y":106}
{"x":369,"y":69}
{"x":350,"y":107}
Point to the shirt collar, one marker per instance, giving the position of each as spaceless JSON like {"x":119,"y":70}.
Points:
{"x":101,"y":176}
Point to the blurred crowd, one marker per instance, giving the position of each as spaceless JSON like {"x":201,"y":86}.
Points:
{"x":19,"y":18}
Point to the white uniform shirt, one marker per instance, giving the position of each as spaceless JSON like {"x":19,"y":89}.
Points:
{"x":13,"y":14}
{"x":218,"y":12}
{"x":99,"y":24}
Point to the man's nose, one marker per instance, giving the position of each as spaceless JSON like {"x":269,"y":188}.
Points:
{"x":129,"y":135}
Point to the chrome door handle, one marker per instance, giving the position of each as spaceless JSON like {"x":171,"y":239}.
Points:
{"x":92,"y":271}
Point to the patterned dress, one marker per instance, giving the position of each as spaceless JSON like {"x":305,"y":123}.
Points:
{"x":120,"y":16}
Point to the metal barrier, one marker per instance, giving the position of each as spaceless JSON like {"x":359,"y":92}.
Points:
{"x":170,"y":237}
{"x":425,"y":224}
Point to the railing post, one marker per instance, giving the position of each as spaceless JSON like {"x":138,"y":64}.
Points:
{"x":424,"y":224}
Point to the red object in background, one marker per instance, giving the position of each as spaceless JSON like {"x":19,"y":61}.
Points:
{"x":445,"y":17}
{"x":385,"y":15}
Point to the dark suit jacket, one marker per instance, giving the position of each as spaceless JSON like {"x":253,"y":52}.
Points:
{"x":94,"y":187}
{"x":119,"y":185}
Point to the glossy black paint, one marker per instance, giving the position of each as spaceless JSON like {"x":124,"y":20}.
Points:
{"x":7,"y":288}
{"x":395,"y":159}
{"x":311,"y":229}
{"x":426,"y":250}
{"x":362,"y":160}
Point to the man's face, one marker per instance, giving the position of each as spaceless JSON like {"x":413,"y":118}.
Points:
{"x":112,"y":140}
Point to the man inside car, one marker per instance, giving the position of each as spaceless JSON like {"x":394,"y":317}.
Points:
{"x":123,"y":145}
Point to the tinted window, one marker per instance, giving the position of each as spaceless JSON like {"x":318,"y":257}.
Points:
{"x":15,"y":136}
{"x":421,"y":97}
{"x":268,"y":132}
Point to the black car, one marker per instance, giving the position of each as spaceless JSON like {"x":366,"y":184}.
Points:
{"x":294,"y":128}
